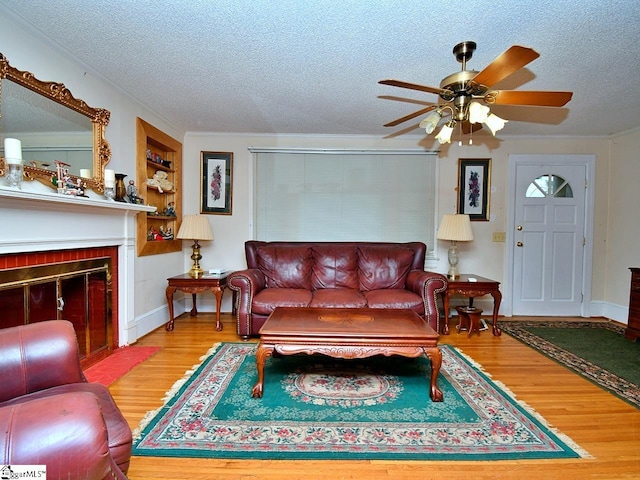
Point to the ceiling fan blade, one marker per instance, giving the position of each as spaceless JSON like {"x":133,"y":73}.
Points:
{"x":413,"y":86}
{"x":504,"y":65}
{"x":543,"y":99}
{"x":410,"y":116}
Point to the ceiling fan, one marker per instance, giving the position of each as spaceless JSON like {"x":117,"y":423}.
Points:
{"x":464,"y":95}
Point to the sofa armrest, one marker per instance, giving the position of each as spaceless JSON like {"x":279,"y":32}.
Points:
{"x":65,"y":432}
{"x":428,"y":285}
{"x":38,"y":356}
{"x":247,"y":283}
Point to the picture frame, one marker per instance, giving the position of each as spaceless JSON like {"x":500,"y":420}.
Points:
{"x":474,"y":187}
{"x":216,"y":182}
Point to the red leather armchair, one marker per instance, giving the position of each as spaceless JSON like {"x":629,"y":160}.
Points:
{"x":50,"y":415}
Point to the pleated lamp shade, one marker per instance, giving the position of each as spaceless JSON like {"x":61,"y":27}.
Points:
{"x":195,"y":227}
{"x":455,"y":227}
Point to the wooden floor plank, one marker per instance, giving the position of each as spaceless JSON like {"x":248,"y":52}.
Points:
{"x":605,"y":426}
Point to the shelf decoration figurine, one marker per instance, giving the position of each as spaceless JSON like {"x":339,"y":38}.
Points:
{"x":170,"y":211}
{"x":132,"y":193}
{"x":160,"y":181}
{"x":13,"y":159}
{"x":64,"y":182}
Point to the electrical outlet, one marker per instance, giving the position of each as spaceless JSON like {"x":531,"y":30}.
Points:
{"x":499,"y":236}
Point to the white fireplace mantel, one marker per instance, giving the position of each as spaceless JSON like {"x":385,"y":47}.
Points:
{"x":35,"y":221}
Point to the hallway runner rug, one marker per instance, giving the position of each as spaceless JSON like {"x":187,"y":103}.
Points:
{"x":317,"y":407}
{"x":595,"y":350}
{"x":121,"y":361}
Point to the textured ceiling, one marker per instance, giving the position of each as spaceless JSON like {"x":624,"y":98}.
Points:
{"x":312,"y":67}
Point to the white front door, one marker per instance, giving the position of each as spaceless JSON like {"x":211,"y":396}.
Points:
{"x":548,"y":234}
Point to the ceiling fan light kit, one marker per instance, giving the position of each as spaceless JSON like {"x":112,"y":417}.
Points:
{"x":465,"y":94}
{"x":478,"y":113}
{"x":494,"y":123}
{"x":445,"y":133}
{"x":431,"y":121}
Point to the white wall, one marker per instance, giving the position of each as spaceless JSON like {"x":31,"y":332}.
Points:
{"x":621,"y":245}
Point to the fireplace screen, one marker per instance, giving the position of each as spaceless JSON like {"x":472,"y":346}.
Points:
{"x":79,"y":292}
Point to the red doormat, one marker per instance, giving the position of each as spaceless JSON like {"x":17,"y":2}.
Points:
{"x":118,"y":363}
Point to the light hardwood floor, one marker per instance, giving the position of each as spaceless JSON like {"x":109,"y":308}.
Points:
{"x":606,"y":427}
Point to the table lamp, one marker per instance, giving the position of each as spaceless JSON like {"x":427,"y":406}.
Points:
{"x":456,"y":228}
{"x":196,"y":228}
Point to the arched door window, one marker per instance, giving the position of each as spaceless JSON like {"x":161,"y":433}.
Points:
{"x":549,"y":186}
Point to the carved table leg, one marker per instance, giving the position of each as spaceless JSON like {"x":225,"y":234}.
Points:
{"x":194,"y":310}
{"x":170,"y":291}
{"x":218,"y":291}
{"x":497,"y":298}
{"x":262,"y":353}
{"x":435,"y":356}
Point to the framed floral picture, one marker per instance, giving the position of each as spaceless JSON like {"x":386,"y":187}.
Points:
{"x":216,"y":182}
{"x":474,"y":187}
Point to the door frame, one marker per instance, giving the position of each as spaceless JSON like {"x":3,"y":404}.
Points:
{"x":589,"y":162}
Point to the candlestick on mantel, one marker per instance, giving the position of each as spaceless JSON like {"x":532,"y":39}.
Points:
{"x":109,"y":178}
{"x":12,"y":150}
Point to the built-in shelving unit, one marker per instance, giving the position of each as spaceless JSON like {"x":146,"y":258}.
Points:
{"x":159,"y":157}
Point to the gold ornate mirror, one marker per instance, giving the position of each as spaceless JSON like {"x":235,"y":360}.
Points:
{"x":52,"y":124}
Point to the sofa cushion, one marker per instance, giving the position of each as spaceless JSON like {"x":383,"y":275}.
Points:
{"x":395,"y":298}
{"x":337,"y":298}
{"x":382,"y":266}
{"x":334,"y":267}
{"x":286,"y":266}
{"x":266,"y":301}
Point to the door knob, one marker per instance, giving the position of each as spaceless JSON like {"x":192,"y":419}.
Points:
{"x":519,"y":244}
{"x":519,"y":227}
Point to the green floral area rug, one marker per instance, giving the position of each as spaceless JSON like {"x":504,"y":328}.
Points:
{"x":317,"y":407}
{"x":596,"y":350}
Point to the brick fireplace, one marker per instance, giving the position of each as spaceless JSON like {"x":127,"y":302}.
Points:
{"x":45,"y":228}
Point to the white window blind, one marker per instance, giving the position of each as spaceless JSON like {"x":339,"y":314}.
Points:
{"x":345,"y":196}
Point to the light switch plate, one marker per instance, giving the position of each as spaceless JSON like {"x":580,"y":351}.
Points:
{"x":499,"y":236}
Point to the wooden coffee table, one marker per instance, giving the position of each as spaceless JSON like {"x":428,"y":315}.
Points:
{"x":348,"y":333}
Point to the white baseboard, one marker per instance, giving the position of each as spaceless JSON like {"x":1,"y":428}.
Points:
{"x":611,"y":311}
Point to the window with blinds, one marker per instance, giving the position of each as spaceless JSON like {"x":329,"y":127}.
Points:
{"x":345,"y":196}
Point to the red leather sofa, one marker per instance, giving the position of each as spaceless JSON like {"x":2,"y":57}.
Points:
{"x":333,"y":275}
{"x":50,"y":415}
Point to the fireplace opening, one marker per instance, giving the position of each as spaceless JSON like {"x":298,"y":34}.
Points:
{"x":80,"y":291}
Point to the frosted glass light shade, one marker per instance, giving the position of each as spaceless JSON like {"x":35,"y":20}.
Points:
{"x":430,"y":122}
{"x":478,"y":113}
{"x":445,"y":134}
{"x":495,"y":123}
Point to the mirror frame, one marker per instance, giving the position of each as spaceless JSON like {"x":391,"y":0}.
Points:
{"x":59,"y":93}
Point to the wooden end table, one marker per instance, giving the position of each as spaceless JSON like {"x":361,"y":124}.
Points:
{"x":348,"y":333}
{"x":482,"y":286}
{"x":186,"y":283}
